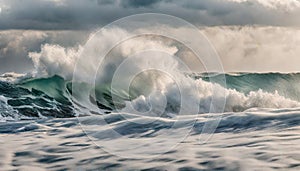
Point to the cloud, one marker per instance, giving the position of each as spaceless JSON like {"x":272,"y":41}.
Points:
{"x":247,"y":48}
{"x":263,"y":47}
{"x":257,"y":49}
{"x":15,"y":45}
{"x":83,"y":14}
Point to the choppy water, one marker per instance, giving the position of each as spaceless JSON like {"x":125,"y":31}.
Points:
{"x":255,"y":140}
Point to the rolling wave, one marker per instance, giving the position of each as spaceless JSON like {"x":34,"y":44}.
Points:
{"x":286,"y":84}
{"x":53,"y":97}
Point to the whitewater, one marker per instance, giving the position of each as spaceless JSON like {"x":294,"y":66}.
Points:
{"x":170,"y":120}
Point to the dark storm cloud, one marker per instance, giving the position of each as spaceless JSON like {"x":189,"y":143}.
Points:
{"x":139,"y":3}
{"x":85,"y":14}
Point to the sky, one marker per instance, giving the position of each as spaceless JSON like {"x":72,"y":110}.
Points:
{"x":249,"y":35}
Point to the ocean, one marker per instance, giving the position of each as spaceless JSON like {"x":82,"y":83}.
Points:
{"x":55,"y":124}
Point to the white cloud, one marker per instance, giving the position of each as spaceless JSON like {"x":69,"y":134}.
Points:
{"x":257,"y":49}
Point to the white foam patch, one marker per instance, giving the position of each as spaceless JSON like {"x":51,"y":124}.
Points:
{"x":6,"y":111}
{"x":235,"y":101}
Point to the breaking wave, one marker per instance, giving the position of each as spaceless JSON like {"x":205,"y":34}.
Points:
{"x":49,"y":91}
{"x":52,"y":97}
